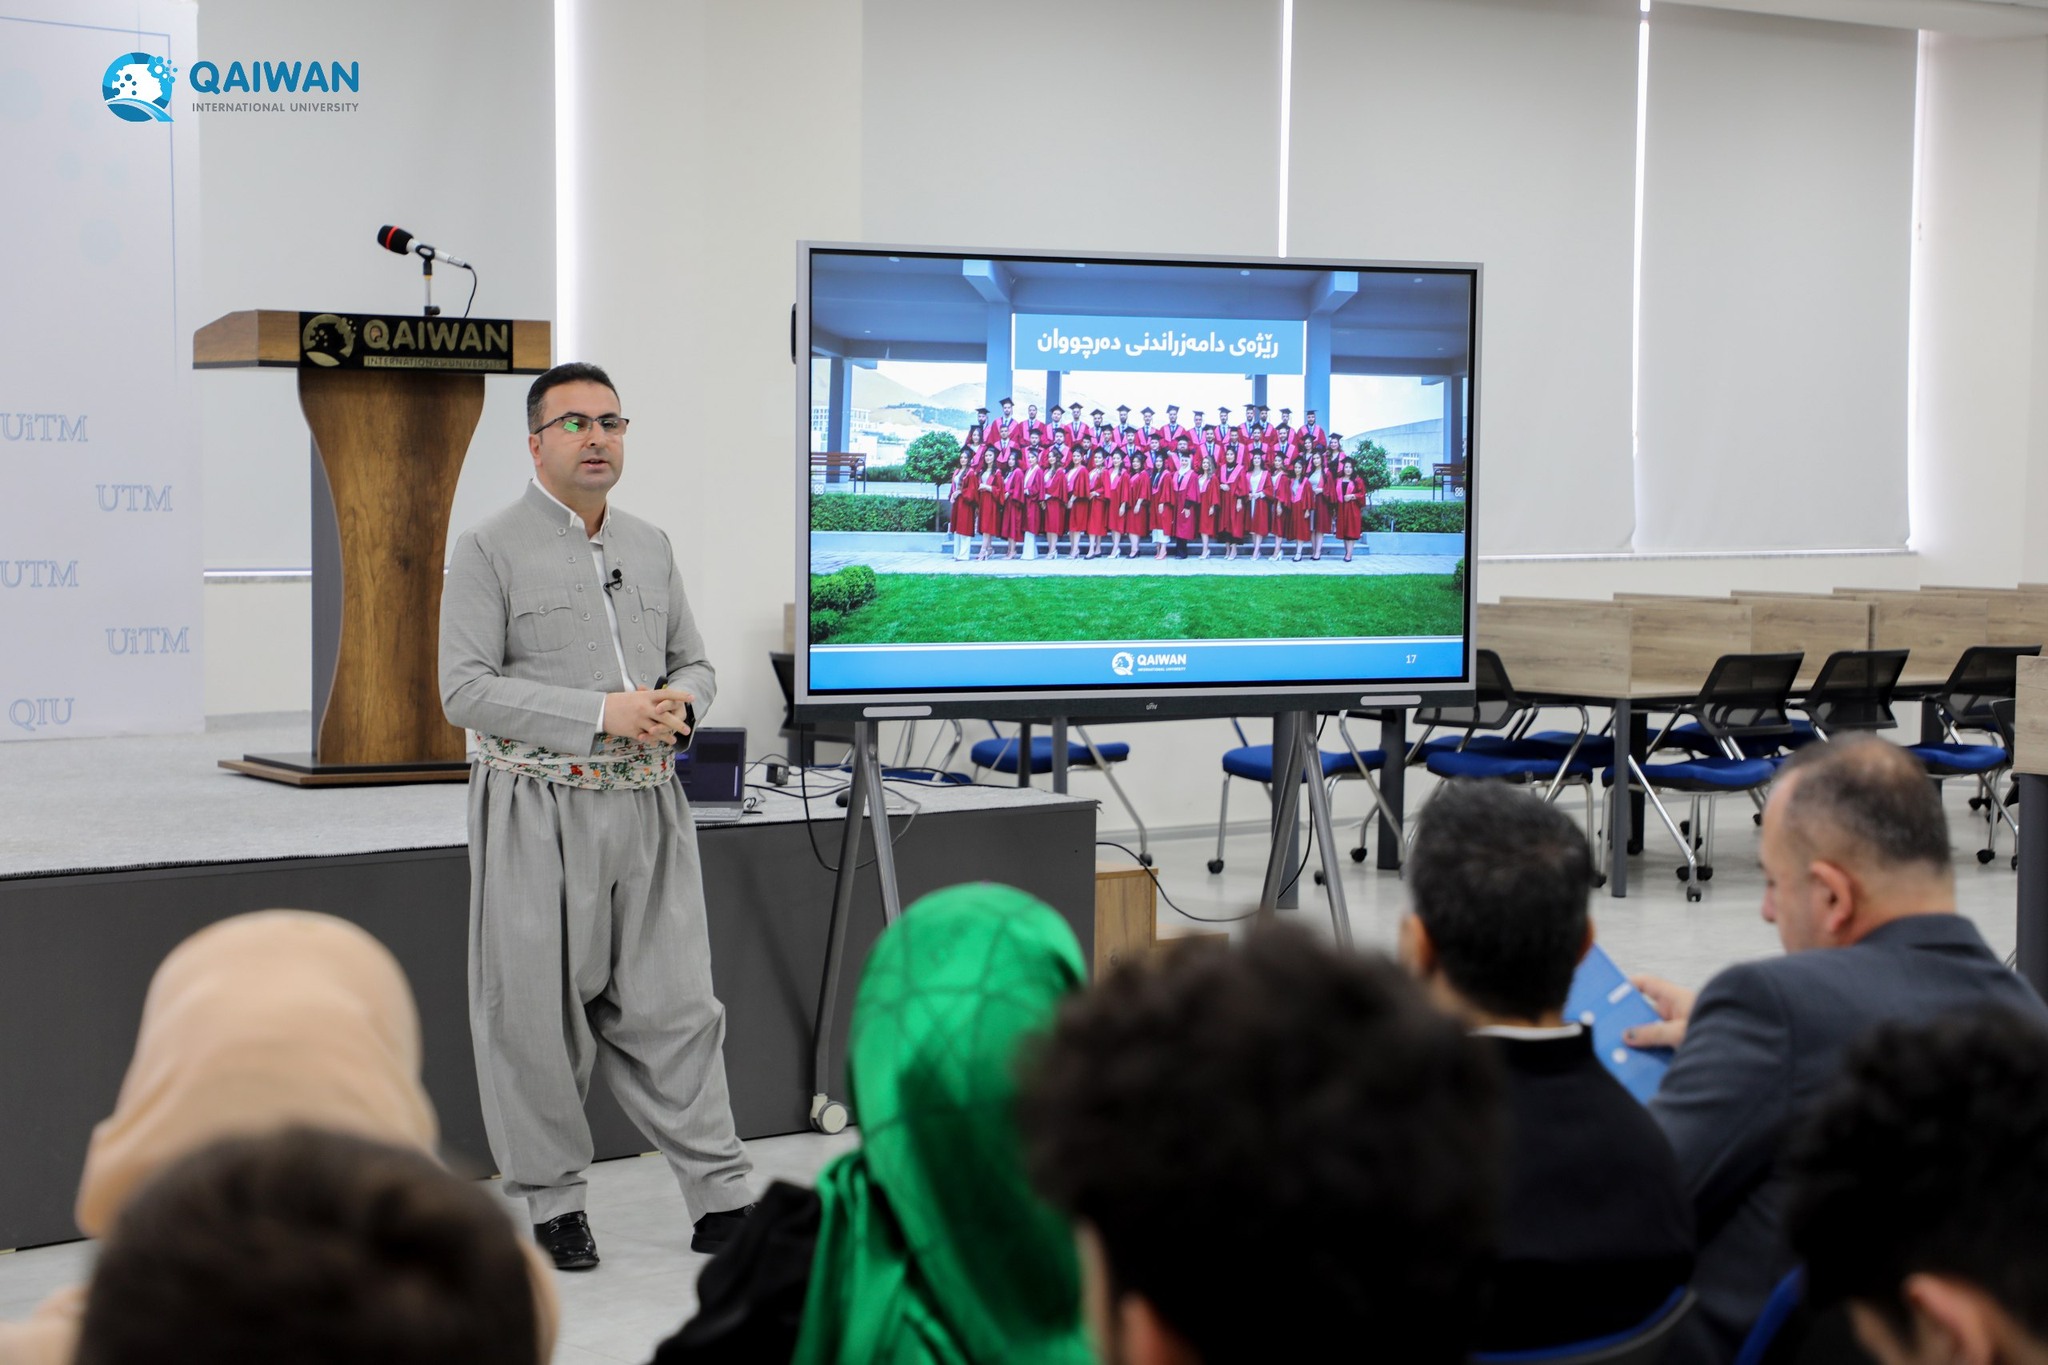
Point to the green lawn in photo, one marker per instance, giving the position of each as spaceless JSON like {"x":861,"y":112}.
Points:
{"x":966,"y":609}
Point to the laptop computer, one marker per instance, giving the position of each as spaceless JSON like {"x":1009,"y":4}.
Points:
{"x":712,"y":771}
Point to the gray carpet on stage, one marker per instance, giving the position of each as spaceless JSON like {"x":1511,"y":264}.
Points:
{"x":102,"y":805}
{"x":160,"y":801}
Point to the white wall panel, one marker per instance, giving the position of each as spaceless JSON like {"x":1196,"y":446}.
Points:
{"x":1503,"y":132}
{"x":1776,"y":242}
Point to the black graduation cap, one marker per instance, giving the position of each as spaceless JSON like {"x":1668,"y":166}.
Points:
{"x":1095,"y":412}
{"x":1006,"y":402}
{"x":982,"y":411}
{"x":1310,"y":412}
{"x":1144,"y":412}
{"x":1173,"y":407}
{"x":1119,"y":407}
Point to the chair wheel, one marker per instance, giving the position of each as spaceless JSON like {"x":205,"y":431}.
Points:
{"x":1145,"y":859}
{"x":1706,"y":874}
{"x":1358,"y":854}
{"x":1319,"y":879}
{"x":1985,"y":855}
{"x":827,"y":1115}
{"x":1692,"y":893}
{"x":1685,"y":826}
{"x":2015,"y":862}
{"x":1757,"y":819}
{"x":1635,"y":846}
{"x":1976,"y":803}
{"x":1685,"y":874}
{"x":1599,"y":879}
{"x":1215,"y":864}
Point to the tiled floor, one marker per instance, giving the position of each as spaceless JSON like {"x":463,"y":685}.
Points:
{"x":646,"y":1286}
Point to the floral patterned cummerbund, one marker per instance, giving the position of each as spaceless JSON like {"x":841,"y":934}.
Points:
{"x":620,"y":764}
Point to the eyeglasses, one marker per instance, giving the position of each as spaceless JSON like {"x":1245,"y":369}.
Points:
{"x":575,"y":424}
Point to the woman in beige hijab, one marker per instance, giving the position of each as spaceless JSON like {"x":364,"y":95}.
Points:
{"x":256,"y":1023}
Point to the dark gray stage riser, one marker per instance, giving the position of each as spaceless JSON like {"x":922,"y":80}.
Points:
{"x":77,"y":952}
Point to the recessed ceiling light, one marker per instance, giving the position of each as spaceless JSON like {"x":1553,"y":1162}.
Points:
{"x":1418,"y":279}
{"x":869,"y":331}
{"x":1080,"y":265}
{"x":898,"y":260}
{"x":1244,"y":272}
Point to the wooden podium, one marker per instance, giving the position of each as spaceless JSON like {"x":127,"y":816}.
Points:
{"x":392,"y":402}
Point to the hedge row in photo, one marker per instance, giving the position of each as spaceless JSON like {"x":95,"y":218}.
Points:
{"x":871,"y":512}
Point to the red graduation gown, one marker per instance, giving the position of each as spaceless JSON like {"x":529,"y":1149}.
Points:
{"x":989,"y":500}
{"x":1301,"y":502}
{"x":1233,"y":518}
{"x":1099,"y":489}
{"x":1187,"y":507}
{"x":1350,"y":511}
{"x":1013,"y":505}
{"x":1056,"y":501}
{"x":966,"y":485}
{"x":1209,"y":498}
{"x":1034,"y":500}
{"x":1259,"y":489}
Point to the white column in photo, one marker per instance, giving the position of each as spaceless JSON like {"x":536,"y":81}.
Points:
{"x":1503,"y":132}
{"x":100,"y":528}
{"x":1777,"y":217}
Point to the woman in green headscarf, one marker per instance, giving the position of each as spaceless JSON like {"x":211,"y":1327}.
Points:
{"x":930,"y":1246}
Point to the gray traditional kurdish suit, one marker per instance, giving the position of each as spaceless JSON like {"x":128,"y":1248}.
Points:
{"x":586,"y":912}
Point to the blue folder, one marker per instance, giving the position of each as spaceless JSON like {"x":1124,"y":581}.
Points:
{"x":1603,"y":1000}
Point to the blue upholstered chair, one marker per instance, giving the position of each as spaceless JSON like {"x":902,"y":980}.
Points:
{"x":1643,"y":1344}
{"x":1496,"y":718}
{"x":1254,"y":763}
{"x":998,"y":753}
{"x":1744,"y":710}
{"x":1982,"y":678}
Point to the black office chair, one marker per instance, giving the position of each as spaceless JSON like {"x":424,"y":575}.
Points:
{"x":1744,"y":712}
{"x":804,"y":733}
{"x":1853,"y":692}
{"x":1983,"y":677}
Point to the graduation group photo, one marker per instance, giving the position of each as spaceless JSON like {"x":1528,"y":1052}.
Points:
{"x":1016,"y":450}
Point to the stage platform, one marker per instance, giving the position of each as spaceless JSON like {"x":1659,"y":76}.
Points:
{"x":117,"y":849}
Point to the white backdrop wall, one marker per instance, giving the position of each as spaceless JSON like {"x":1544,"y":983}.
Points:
{"x":454,"y":140}
{"x":688,"y":279}
{"x":1777,"y":203}
{"x":100,"y":530}
{"x":1500,"y":131}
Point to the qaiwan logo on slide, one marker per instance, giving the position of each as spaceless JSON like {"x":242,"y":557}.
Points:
{"x":137,"y":87}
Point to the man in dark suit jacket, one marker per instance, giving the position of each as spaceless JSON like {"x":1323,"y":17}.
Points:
{"x":1596,"y":1230}
{"x":1858,"y":880}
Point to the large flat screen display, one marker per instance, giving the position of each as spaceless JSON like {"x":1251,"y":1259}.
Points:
{"x":1084,"y":484}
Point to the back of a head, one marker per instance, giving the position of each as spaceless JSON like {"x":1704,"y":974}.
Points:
{"x":1930,"y":1156}
{"x":1500,"y":881}
{"x":1276,"y":1143}
{"x":314,"y":1248}
{"x":1864,"y":802}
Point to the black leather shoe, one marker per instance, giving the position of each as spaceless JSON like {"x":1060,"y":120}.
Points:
{"x":714,"y":1230}
{"x":568,"y":1240}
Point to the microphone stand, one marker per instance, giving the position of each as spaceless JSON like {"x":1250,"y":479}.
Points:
{"x":432,"y":310}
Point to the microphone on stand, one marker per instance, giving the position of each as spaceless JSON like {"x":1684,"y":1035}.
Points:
{"x":401,"y":242}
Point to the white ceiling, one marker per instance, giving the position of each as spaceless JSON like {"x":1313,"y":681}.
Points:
{"x":1970,"y":18}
